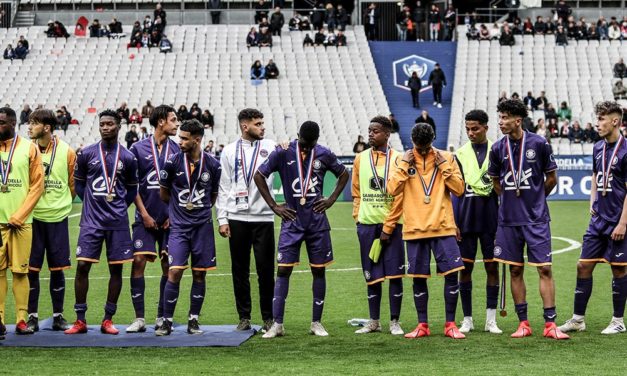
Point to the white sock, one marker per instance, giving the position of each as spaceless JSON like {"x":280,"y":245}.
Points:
{"x":57,"y":314}
{"x":191,"y":317}
{"x":490,"y":314}
{"x":170,"y":319}
{"x":619,"y":319}
{"x":578,"y":317}
{"x":34,"y":314}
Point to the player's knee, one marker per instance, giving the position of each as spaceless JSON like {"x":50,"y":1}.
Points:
{"x":317,"y":272}
{"x":545,"y":271}
{"x":198,"y":276}
{"x":284,"y":271}
{"x":619,"y":271}
{"x":82,"y":268}
{"x":584,"y":269}
{"x":516,"y":271}
{"x":175,"y":275}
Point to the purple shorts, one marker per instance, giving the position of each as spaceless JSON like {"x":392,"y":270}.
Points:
{"x":197,"y":241}
{"x":511,"y":240}
{"x":50,"y":240}
{"x":446,"y":253}
{"x":599,"y":247}
{"x":318,"y":243}
{"x":468,"y":246}
{"x":118,"y":243}
{"x":145,"y":241}
{"x":391,"y":263}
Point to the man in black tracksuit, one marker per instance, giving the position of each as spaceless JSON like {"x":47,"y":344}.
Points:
{"x":437,"y":80}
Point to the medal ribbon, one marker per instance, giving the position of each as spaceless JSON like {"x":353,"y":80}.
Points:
{"x":304,"y":180}
{"x":606,"y":166}
{"x":248,"y":177}
{"x":517,"y":174}
{"x":110,"y":183}
{"x":5,"y":173}
{"x":188,"y":175}
{"x":52,"y":156}
{"x":430,"y":187}
{"x":155,"y":153}
{"x":386,"y":170}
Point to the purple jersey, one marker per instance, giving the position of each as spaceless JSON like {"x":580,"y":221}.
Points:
{"x":149,"y":178}
{"x":285,"y":162}
{"x":474,"y":213}
{"x":531,"y":206}
{"x":206,"y":184}
{"x":610,"y":206}
{"x":97,"y":212}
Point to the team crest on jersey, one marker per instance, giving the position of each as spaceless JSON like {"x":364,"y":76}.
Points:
{"x":373,"y":183}
{"x":485,"y":178}
{"x":317,"y":164}
{"x":163,"y":174}
{"x":531,"y":155}
{"x":170,"y":259}
{"x":46,"y":168}
{"x":78,"y":251}
{"x":411,"y":171}
{"x":138,"y":244}
{"x":367,"y":274}
{"x":615,"y":161}
{"x":279,"y":256}
{"x":120,"y":165}
{"x":263,"y":153}
{"x":497,"y":251}
{"x":204,"y":177}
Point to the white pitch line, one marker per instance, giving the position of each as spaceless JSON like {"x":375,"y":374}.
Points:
{"x":573,"y":244}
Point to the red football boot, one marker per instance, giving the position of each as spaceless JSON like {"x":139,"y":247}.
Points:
{"x":524,"y":330}
{"x":422,"y":330}
{"x":450,"y":330}
{"x":22,"y":328}
{"x":79,"y":327}
{"x":552,"y":331}
{"x":108,"y":328}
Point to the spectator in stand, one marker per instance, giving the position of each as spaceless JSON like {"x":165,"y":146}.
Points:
{"x":136,"y":41}
{"x":340,"y":39}
{"x":215,"y":5}
{"x":183,"y":114}
{"x":415,"y":84}
{"x":395,"y":126}
{"x":135,"y":117}
{"x":484,"y":33}
{"x":550,"y":113}
{"x":565,"y":129}
{"x":209,"y":149}
{"x":495,"y":31}
{"x":20,"y":51}
{"x":320,"y":38}
{"x":592,"y":33}
{"x":124,"y":112}
{"x":330,"y":17}
{"x":425,"y":118}
{"x":277,"y":21}
{"x":576,"y":134}
{"x":581,"y":32}
{"x":143,"y":133}
{"x":272,"y":71}
{"x":57,"y":30}
{"x":317,"y":16}
{"x":517,"y":28}
{"x":360,"y":145}
{"x":159,"y":12}
{"x":402,"y":17}
{"x":502,"y":97}
{"x":550,"y":27}
{"x":449,"y":23}
{"x":590,"y":134}
{"x":528,"y":27}
{"x":24,"y":42}
{"x":261,"y":10}
{"x":137,"y":28}
{"x":515,"y":96}
{"x":530,"y":101}
{"x":147,"y":110}
{"x":560,"y":36}
{"x":257,"y":71}
{"x":602,"y":28}
{"x":155,"y":39}
{"x":613,"y":32}
{"x":252,"y":39}
{"x":26,"y":111}
{"x":553,"y":127}
{"x":219,"y":151}
{"x":437,"y":80}
{"x":507,"y":38}
{"x":195,"y":111}
{"x":562,"y":10}
{"x":420,"y":18}
{"x":619,"y":90}
{"x":131,"y":136}
{"x":265,"y":38}
{"x":294,"y":22}
{"x":434,"y":23}
{"x":330,"y":41}
{"x":62,"y":122}
{"x":115,"y":28}
{"x":207,"y":119}
{"x":67,"y":114}
{"x":307,"y":41}
{"x":147,"y":24}
{"x":564,"y":112}
{"x":304,"y":24}
{"x":341,"y":17}
{"x":542,"y":130}
{"x":165,"y":45}
{"x":541,"y":101}
{"x":623,"y":29}
{"x":539,"y":28}
{"x":95,"y":29}
{"x":145,"y":41}
{"x":371,"y":23}
{"x":620,"y":69}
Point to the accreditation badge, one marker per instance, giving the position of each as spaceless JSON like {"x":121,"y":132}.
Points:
{"x":241,"y":200}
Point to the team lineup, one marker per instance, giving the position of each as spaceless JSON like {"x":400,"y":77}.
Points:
{"x":407,"y":208}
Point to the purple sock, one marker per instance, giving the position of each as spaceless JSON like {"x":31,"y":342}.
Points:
{"x":281,"y":288}
{"x":138,"y":288}
{"x":421,"y":299}
{"x":619,"y":295}
{"x":196,"y":298}
{"x":33,"y":294}
{"x":465,"y":293}
{"x":319,"y":289}
{"x":521,"y":311}
{"x":109,"y":309}
{"x":583,"y":290}
{"x":170,"y":296}
{"x":374,"y":300}
{"x":451,"y":292}
{"x":80,"y":310}
{"x":164,"y":280}
{"x":492,"y":296}
{"x":396,"y":298}
{"x":549,"y":314}
{"x":57,"y":290}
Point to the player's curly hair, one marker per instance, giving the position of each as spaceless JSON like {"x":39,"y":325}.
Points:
{"x":249,"y":114}
{"x":309,"y":131}
{"x":113,"y":114}
{"x":383,"y":120}
{"x":479,"y":116}
{"x":422,"y":134}
{"x":513,"y":107}
{"x":45,"y":117}
{"x":194,"y":127}
{"x":608,"y":107}
{"x":160,"y":113}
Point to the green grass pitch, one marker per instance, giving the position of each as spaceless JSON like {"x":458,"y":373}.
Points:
{"x":344,"y":352}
